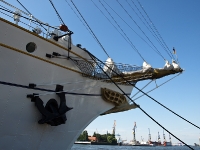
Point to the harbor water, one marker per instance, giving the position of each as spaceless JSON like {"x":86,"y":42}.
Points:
{"x":108,"y":147}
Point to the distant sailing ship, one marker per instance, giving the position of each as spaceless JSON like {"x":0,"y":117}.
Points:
{"x":69,"y":86}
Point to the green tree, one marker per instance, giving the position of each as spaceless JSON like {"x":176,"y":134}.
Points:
{"x":83,"y":136}
{"x":103,"y":138}
{"x":94,"y":134}
{"x":111,"y":140}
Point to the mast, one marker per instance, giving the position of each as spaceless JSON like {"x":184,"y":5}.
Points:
{"x":134,"y":139}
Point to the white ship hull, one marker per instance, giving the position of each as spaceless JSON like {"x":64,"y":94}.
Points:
{"x":19,"y":128}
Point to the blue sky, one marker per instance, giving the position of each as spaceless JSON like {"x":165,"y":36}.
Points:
{"x":178,"y":23}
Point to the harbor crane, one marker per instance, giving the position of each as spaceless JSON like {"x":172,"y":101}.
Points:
{"x":159,"y":138}
{"x":170,"y":138}
{"x":114,"y":125}
{"x":164,"y":139}
{"x":149,"y":135}
{"x":134,"y":128}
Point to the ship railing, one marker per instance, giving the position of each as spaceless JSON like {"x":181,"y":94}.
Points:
{"x":27,"y":20}
{"x":100,"y":70}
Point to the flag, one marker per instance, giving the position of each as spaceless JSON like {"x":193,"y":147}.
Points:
{"x":174,"y":51}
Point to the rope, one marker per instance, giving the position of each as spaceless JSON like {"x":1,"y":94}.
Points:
{"x":37,"y":21}
{"x":127,"y":25}
{"x":157,"y":87}
{"x":154,"y":27}
{"x":42,"y":89}
{"x":14,"y":7}
{"x":157,"y":51}
{"x":30,"y":13}
{"x":22,"y":12}
{"x":152,"y":31}
{"x":141,"y":89}
{"x":60,"y":19}
{"x":134,"y":102}
{"x":23,"y":6}
{"x":90,"y":29}
{"x":21,"y":21}
{"x":123,"y":32}
{"x":79,"y":19}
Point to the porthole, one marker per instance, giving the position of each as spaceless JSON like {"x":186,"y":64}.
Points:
{"x":31,"y":47}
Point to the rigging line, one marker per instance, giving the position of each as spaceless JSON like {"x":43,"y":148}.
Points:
{"x":123,"y":32}
{"x":141,"y":89}
{"x":165,"y":129}
{"x":118,"y":30}
{"x":165,"y":107}
{"x":14,"y":7}
{"x":23,"y":6}
{"x":47,"y":90}
{"x":155,"y":35}
{"x":42,"y":89}
{"x":157,"y":87}
{"x":168,"y":109}
{"x":154,"y":27}
{"x":158,"y":52}
{"x":77,"y":89}
{"x":10,"y":16}
{"x":37,"y":21}
{"x":79,"y":19}
{"x":134,"y":102}
{"x":127,"y":24}
{"x":30,"y":14}
{"x":60,"y":19}
{"x":162,"y":41}
{"x":108,"y":20}
{"x":152,"y":31}
{"x":90,"y":29}
{"x":21,"y":11}
{"x":20,"y":20}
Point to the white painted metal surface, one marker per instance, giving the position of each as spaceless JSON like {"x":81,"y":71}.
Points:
{"x":19,"y":116}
